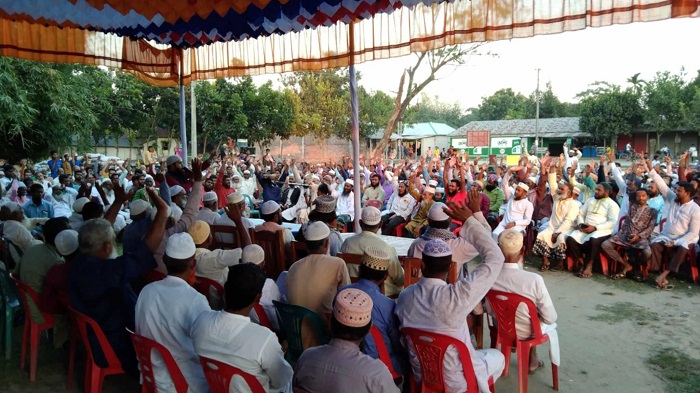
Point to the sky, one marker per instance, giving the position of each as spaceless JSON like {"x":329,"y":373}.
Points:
{"x":570,"y":61}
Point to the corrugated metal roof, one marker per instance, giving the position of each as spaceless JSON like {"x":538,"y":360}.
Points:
{"x":549,"y":128}
{"x":418,"y":131}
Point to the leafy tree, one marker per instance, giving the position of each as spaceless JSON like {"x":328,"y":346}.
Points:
{"x":269,"y":112}
{"x":375,"y":109}
{"x":504,"y":104}
{"x":664,"y":104}
{"x":550,"y":105}
{"x":433,"y":110}
{"x":607,"y":111}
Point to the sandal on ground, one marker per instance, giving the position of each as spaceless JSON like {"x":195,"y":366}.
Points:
{"x":539,"y":366}
{"x":557,"y":268}
{"x":665,"y":287}
{"x":544,"y":267}
{"x":618,"y":276}
{"x":585,"y":274}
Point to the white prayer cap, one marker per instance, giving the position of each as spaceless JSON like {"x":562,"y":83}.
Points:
{"x":175,"y":212}
{"x":168,"y":213}
{"x":210,"y":196}
{"x":148,"y":177}
{"x":138,"y":206}
{"x":533,"y":179}
{"x":325,"y":204}
{"x":253,"y":253}
{"x":317,"y":230}
{"x":269,"y":207}
{"x":246,"y":172}
{"x":315,"y":177}
{"x":350,"y":182}
{"x":13,"y":206}
{"x":175,"y":190}
{"x":440,"y":190}
{"x":235,"y":198}
{"x":436,"y":213}
{"x":235,"y":176}
{"x":172,"y":159}
{"x":353,"y":308}
{"x":429,"y":189}
{"x":511,"y":241}
{"x":389,"y":176}
{"x":66,"y":242}
{"x":20,"y":184}
{"x":199,"y":231}
{"x":180,"y":246}
{"x":576,"y":190}
{"x":523,"y":186}
{"x":433,"y":183}
{"x":332,"y":172}
{"x":436,"y":248}
{"x":371,"y":215}
{"x":79,"y":203}
{"x":375,"y":258}
{"x":422,"y":181}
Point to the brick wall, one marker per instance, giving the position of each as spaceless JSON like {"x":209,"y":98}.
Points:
{"x":314,"y":151}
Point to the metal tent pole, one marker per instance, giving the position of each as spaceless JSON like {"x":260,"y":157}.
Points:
{"x":355,"y":123}
{"x":183,"y":126}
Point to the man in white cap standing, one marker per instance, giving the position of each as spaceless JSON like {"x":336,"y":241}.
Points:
{"x":209,"y":213}
{"x":313,"y":281}
{"x":436,"y":306}
{"x":514,"y":279}
{"x":370,"y":222}
{"x":339,"y":366}
{"x":229,"y":336}
{"x":518,"y":212}
{"x":166,"y":310}
{"x":270,"y":212}
{"x":345,"y":207}
{"x":255,"y":254}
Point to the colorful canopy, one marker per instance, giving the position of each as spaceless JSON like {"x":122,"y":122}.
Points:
{"x":161,"y":40}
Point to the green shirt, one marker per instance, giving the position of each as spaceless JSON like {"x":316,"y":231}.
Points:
{"x":496,"y":196}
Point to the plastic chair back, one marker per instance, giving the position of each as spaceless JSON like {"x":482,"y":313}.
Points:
{"x":273,"y":244}
{"x":212,"y":290}
{"x":262,"y":316}
{"x":144,"y":347}
{"x":220,"y":233}
{"x":11,"y":307}
{"x":431,"y":348}
{"x":219,"y":376}
{"x":299,"y":251}
{"x":412,"y":270}
{"x":382,"y":351}
{"x":505,"y":306}
{"x":26,"y":293}
{"x":291,"y":320}
{"x":251,"y":205}
{"x":620,"y":222}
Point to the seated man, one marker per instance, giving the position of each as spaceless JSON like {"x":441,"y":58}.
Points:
{"x":436,"y":306}
{"x":293,"y":202}
{"x":235,"y":201}
{"x":634,"y":235}
{"x":325,"y":213}
{"x":373,"y":272}
{"x":420,"y":219}
{"x":166,"y":311}
{"x":400,"y":207}
{"x":596,"y":220}
{"x":270,"y":211}
{"x":214,"y":264}
{"x":209,"y":213}
{"x":530,"y":285}
{"x":518,"y":212}
{"x":346,"y":203}
{"x":339,"y":366}
{"x":496,"y":198}
{"x":255,"y":254}
{"x":680,"y":231}
{"x":230,"y":337}
{"x":370,"y":222}
{"x":54,"y":294}
{"x":551,"y":243}
{"x":14,"y":231}
{"x":374,"y":191}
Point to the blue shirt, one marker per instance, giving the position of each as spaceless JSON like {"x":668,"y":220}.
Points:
{"x":43,"y":210}
{"x":271,"y":191}
{"x":54,"y":171}
{"x":385,"y":320}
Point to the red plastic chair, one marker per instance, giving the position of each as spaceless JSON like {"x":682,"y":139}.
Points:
{"x":219,"y":376}
{"x":382,"y":351}
{"x":504,"y":306}
{"x":374,"y":202}
{"x":262,"y":316}
{"x":144,"y":346}
{"x":94,"y":374}
{"x":211,"y":289}
{"x":399,"y":230}
{"x":431,"y":348}
{"x":32,"y":329}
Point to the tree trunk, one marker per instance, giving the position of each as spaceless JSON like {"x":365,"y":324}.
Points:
{"x":393,"y":120}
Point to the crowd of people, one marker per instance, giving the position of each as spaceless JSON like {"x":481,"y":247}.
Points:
{"x":62,"y":229}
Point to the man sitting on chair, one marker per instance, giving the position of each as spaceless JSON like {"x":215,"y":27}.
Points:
{"x":519,"y":209}
{"x":209,"y":212}
{"x":270,"y":211}
{"x":400,"y":207}
{"x":345,"y":207}
{"x":438,"y":307}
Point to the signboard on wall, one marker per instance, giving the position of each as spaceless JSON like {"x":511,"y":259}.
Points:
{"x":499,"y":146}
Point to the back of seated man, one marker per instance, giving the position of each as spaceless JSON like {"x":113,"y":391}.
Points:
{"x":255,"y":254}
{"x":530,"y":285}
{"x":271,"y":212}
{"x":214,"y":264}
{"x":166,"y":311}
{"x":229,"y":336}
{"x":209,"y":212}
{"x":339,"y":366}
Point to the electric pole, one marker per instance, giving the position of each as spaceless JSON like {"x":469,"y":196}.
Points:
{"x":537,"y":112}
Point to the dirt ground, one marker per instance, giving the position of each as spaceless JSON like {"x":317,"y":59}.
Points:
{"x":609,"y":330}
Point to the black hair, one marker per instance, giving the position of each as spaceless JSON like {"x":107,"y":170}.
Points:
{"x":176,"y":266}
{"x":53,"y":227}
{"x":371,"y":228}
{"x":244,"y":283}
{"x":323,"y":188}
{"x":439,"y":224}
{"x":53,"y":152}
{"x":436,"y":265}
{"x":368,"y":273}
{"x":457,"y":182}
{"x":36,"y":187}
{"x":8,"y":167}
{"x":327,"y":218}
{"x":61,"y":178}
{"x":348,"y":333}
{"x":688,"y":187}
{"x":315,"y":245}
{"x":269,"y":217}
{"x":92,"y":210}
{"x":644,"y":190}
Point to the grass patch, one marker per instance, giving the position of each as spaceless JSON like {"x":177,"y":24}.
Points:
{"x":680,"y":372}
{"x":681,"y":286}
{"x":624,"y":311}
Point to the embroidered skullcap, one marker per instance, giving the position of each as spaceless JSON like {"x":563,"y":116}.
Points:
{"x":606,"y":186}
{"x":235,"y":176}
{"x":371,"y":215}
{"x":175,"y":212}
{"x":429,"y":190}
{"x":524,"y":186}
{"x":172,"y":159}
{"x":66,"y":242}
{"x":350,"y":182}
{"x":269,"y":207}
{"x":253,"y":253}
{"x":511,"y":241}
{"x":199,"y":231}
{"x":493,"y":178}
{"x":210,"y":196}
{"x":176,"y":190}
{"x":436,"y":213}
{"x":317,"y":230}
{"x":437,"y":248}
{"x":139,"y":206}
{"x":440,"y":190}
{"x":180,"y":246}
{"x":433,"y":183}
{"x":353,"y":308}
{"x":235,"y":198}
{"x":376,"y":258}
{"x":325,"y":204}
{"x":79,"y":204}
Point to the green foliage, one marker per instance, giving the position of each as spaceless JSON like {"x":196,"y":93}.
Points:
{"x":375,"y":110}
{"x":433,"y":110}
{"x":663,"y":99}
{"x":607,"y":111}
{"x":504,"y":104}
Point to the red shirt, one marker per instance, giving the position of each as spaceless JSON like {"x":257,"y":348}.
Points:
{"x":460,"y":196}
